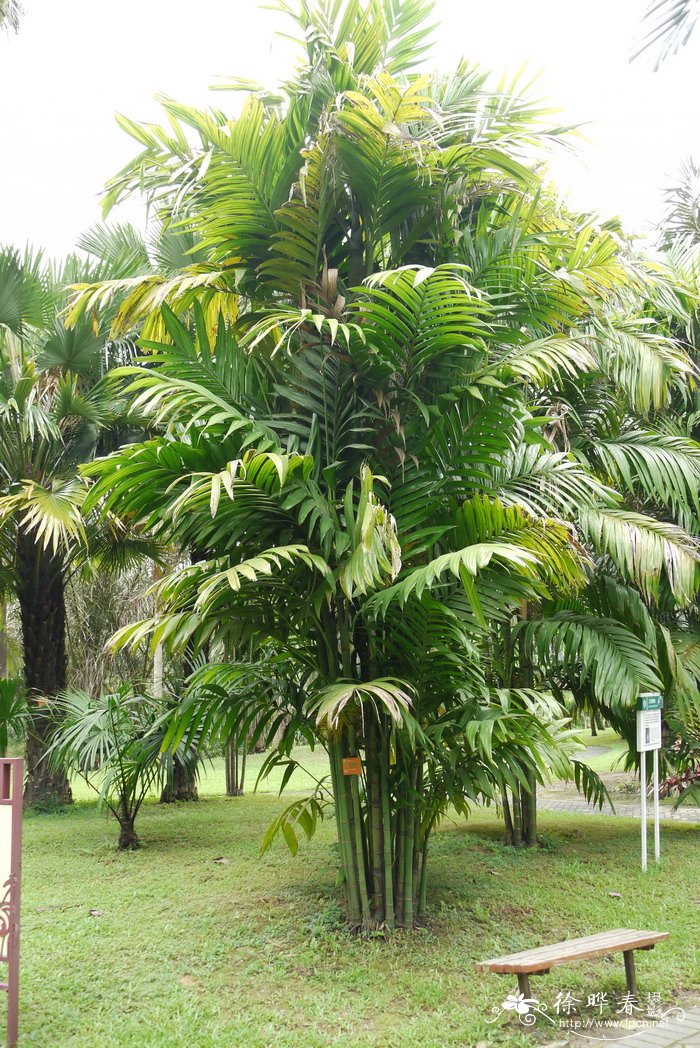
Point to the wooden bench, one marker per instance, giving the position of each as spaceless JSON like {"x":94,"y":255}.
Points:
{"x":541,"y":960}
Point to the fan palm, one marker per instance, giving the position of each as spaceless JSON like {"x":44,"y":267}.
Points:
{"x":113,"y":742}
{"x":361,"y":460}
{"x":53,"y":410}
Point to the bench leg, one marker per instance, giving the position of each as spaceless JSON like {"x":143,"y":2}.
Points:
{"x":524,"y":984}
{"x":630,"y":973}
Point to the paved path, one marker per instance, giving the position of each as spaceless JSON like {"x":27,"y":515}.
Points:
{"x":592,"y":751}
{"x":677,"y":1035}
{"x":684,"y":1034}
{"x":580,"y":806}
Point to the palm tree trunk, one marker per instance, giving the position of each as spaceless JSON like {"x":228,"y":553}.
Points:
{"x":529,"y":798}
{"x":128,"y":838}
{"x":41,"y":595}
{"x":528,"y":805}
{"x":408,"y":854}
{"x":376,"y":836}
{"x":3,"y":638}
{"x":381,"y":844}
{"x":158,"y":653}
{"x":346,"y":839}
{"x":181,"y":784}
{"x":530,"y":812}
{"x":517,"y":815}
{"x":235,"y":769}
{"x":507,"y":817}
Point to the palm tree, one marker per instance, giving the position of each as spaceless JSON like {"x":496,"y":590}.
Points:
{"x":54,"y":408}
{"x":113,"y":741}
{"x":625,"y":421}
{"x":362,"y":459}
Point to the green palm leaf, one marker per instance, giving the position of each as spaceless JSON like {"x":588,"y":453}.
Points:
{"x":601,"y":651}
{"x":644,"y":549}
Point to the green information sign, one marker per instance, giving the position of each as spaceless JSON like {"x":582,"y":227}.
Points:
{"x":650,"y":700}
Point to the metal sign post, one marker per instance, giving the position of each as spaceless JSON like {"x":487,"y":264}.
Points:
{"x":649,"y":706}
{"x":11,"y":780}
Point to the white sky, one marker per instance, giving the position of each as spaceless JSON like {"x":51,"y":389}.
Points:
{"x":77,"y":62}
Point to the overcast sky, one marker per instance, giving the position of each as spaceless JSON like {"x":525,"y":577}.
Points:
{"x":75,"y":63}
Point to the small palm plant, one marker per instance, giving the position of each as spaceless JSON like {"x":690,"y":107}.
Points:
{"x":13,"y":711}
{"x":113,"y":742}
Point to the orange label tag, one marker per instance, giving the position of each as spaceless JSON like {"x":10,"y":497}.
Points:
{"x":352,"y":766}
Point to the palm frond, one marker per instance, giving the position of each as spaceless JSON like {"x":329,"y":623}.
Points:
{"x":596,"y":650}
{"x":670,"y":24}
{"x":644,"y":549}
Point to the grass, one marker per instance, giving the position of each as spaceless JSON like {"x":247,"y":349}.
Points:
{"x":616,"y":748}
{"x":315,"y":766}
{"x":212,"y":783}
{"x":251,"y":952}
{"x":604,"y":737}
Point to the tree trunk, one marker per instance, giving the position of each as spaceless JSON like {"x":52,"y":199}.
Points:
{"x":157,"y":574}
{"x":40,"y":591}
{"x":3,"y":638}
{"x":128,"y":838}
{"x":235,"y":770}
{"x":378,"y":795}
{"x":529,"y":798}
{"x":517,"y":815}
{"x":181,"y":784}
{"x":382,"y":838}
{"x":356,"y":257}
{"x":529,"y":809}
{"x":507,"y":818}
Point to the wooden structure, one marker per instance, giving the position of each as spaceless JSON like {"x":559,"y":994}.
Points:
{"x":542,"y":959}
{"x":11,"y":782}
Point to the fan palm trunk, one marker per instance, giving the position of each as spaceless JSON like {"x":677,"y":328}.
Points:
{"x":41,"y":595}
{"x":181,"y":784}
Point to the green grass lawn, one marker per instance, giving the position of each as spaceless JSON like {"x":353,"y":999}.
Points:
{"x":613,"y":759}
{"x":604,"y":737}
{"x":252,"y":952}
{"x":212,"y":781}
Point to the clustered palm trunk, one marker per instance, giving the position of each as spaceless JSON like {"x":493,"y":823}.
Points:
{"x":382,"y":830}
{"x":514,"y":667}
{"x":41,"y":596}
{"x":520,"y":815}
{"x":234,"y":761}
{"x":378,"y":796}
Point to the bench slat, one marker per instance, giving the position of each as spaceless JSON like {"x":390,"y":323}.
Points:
{"x":572,"y":950}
